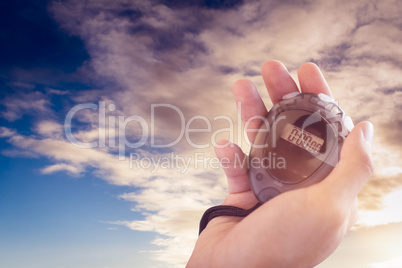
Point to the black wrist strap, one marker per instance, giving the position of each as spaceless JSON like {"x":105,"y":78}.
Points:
{"x":222,"y":210}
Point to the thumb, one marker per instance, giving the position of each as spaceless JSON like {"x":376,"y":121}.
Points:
{"x":355,"y":165}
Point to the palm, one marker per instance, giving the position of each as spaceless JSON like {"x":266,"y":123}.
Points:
{"x":299,"y":228}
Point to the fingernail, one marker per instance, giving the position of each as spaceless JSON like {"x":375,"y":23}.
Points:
{"x":368,"y":132}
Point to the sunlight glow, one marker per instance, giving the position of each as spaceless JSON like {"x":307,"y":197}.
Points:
{"x":391,"y":212}
{"x":393,"y":263}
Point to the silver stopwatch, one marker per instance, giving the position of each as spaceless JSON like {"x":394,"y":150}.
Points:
{"x":298,"y":144}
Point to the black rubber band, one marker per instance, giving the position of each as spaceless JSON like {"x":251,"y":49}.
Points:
{"x":217,"y":211}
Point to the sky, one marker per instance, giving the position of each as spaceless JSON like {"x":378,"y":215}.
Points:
{"x":93,"y":93}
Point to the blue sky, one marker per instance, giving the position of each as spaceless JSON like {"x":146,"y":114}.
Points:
{"x":62,"y":216}
{"x":66,"y":206}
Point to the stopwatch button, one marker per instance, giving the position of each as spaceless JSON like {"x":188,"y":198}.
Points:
{"x":290,"y":95}
{"x":267,"y":194}
{"x":259,"y":176}
{"x":348,"y":123}
{"x":325,"y":97}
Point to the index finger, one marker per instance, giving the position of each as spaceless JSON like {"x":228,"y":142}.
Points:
{"x":312,"y":80}
{"x":277,"y":80}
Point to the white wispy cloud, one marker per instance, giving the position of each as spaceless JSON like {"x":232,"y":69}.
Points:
{"x":49,"y":129}
{"x":62,"y":167}
{"x":6,"y":132}
{"x":24,"y":103}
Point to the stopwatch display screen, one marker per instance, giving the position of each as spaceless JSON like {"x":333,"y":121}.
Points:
{"x":302,"y":138}
{"x":298,"y":144}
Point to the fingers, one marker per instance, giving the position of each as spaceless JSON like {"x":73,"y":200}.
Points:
{"x":250,"y":105}
{"x":234,"y":163}
{"x":277,"y":80}
{"x":355,"y":165}
{"x":311,"y":80}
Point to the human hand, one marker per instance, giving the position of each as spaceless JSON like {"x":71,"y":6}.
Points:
{"x":299,"y":228}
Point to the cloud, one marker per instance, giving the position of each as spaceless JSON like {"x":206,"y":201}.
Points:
{"x":47,"y":128}
{"x":23,"y":85}
{"x":380,"y":202}
{"x":24,"y":103}
{"x":172,"y":211}
{"x":372,"y":194}
{"x":62,"y":167}
{"x":57,"y":91}
{"x":6,"y":132}
{"x":146,"y":52}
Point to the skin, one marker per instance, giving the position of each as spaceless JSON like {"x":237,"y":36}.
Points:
{"x":299,"y":228}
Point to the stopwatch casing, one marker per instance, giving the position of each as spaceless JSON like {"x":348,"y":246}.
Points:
{"x":297,"y":145}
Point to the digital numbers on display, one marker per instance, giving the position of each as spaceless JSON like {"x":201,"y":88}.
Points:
{"x":302,"y":138}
